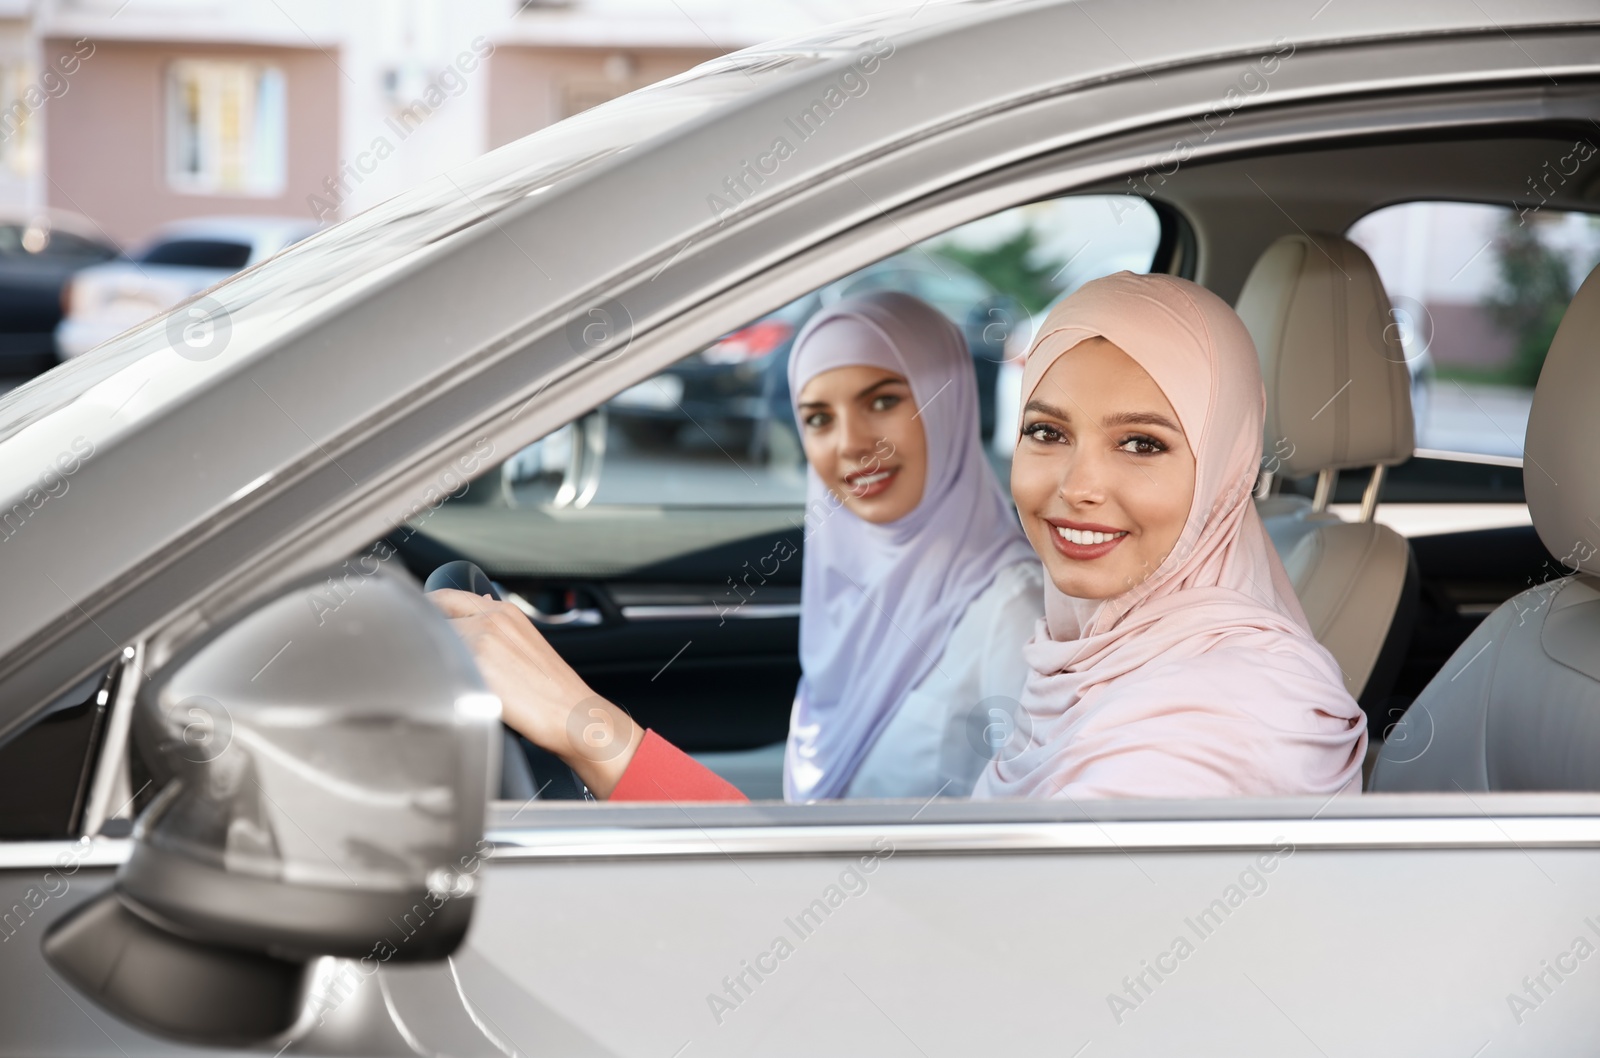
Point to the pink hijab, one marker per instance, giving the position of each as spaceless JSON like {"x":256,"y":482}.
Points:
{"x":1203,"y":681}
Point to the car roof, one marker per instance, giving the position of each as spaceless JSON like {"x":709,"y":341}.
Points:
{"x":383,"y":310}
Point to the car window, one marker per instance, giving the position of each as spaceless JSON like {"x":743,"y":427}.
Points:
{"x":198,"y":253}
{"x":1477,"y":291}
{"x":715,"y":429}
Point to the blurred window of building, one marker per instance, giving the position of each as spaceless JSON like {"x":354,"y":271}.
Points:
{"x":226,"y":128}
{"x":18,"y":143}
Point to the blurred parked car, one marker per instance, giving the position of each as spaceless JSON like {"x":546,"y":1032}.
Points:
{"x":740,"y":383}
{"x":184,"y":258}
{"x":39,"y":252}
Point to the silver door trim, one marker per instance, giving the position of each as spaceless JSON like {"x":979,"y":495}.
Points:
{"x":515,"y":845}
{"x":1212,"y":835}
{"x":708,"y":611}
{"x":65,"y":857}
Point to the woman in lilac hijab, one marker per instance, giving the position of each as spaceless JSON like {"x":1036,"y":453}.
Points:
{"x":918,"y":587}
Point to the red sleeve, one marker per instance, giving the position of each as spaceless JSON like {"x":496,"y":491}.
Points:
{"x":660,"y":771}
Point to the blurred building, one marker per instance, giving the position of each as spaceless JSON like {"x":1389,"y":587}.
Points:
{"x":135,"y":113}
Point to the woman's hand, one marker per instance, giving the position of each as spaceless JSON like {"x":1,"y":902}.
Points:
{"x":542,"y":697}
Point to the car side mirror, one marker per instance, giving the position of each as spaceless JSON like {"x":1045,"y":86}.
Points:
{"x":324,"y":765}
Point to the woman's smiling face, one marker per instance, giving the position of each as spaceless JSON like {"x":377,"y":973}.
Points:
{"x":1103,"y":475}
{"x":862,"y":436}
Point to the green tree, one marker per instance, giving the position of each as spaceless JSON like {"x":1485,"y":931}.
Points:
{"x":1535,"y":287}
{"x":1015,"y":266}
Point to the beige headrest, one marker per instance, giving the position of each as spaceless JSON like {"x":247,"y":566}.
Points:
{"x":1560,"y":468}
{"x":1338,"y":391}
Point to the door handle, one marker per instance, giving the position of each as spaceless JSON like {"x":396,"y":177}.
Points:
{"x":577,"y":617}
{"x":582,"y":478}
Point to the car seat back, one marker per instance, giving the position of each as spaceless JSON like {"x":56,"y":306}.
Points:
{"x":1338,"y":397}
{"x":1517,"y":706}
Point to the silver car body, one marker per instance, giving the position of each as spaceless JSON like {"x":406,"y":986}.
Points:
{"x":366,"y":362}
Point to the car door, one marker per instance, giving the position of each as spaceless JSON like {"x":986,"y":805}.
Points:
{"x":1372,"y":925}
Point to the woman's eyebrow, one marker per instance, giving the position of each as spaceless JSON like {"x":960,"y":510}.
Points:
{"x":1044,"y":408}
{"x":1140,"y":418}
{"x":881,"y":383}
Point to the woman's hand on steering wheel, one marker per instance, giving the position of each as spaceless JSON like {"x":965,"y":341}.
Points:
{"x":542,"y":697}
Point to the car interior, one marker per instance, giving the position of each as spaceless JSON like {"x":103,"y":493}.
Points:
{"x":657,"y":576}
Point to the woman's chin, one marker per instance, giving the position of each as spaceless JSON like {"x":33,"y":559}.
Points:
{"x":1083,"y":584}
{"x":876,"y":510}
{"x":881,"y":508}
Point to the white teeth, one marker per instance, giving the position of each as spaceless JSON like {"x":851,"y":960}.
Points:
{"x":1079,"y":536}
{"x":869,"y":479}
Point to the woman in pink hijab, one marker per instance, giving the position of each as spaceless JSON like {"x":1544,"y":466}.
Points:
{"x":1173,"y":659}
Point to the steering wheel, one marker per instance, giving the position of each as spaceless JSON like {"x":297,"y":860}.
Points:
{"x":527,"y":772}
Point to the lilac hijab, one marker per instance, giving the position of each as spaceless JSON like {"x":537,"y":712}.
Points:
{"x":878,"y":602}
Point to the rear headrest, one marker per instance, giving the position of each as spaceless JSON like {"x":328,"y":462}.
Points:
{"x":1338,"y":390}
{"x":1560,"y":466}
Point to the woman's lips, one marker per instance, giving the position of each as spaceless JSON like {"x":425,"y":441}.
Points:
{"x":864,"y":485}
{"x":1084,"y":541}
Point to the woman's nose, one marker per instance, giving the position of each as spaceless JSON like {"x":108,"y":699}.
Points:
{"x":855,"y":436}
{"x":1083,"y":479}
